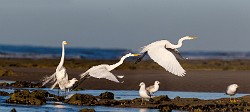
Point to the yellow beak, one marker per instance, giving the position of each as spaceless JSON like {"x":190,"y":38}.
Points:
{"x":193,"y":37}
{"x":136,"y":54}
{"x":66,"y":42}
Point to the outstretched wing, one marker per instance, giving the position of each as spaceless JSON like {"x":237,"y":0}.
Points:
{"x":176,"y":53}
{"x":103,"y":73}
{"x":167,"y":60}
{"x":47,"y":79}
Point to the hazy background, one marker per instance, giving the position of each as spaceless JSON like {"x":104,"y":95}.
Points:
{"x":221,"y":25}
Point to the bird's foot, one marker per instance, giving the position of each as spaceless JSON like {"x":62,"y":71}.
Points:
{"x":234,"y":101}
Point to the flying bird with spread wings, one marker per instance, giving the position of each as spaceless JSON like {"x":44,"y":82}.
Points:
{"x":103,"y":70}
{"x":165,"y":53}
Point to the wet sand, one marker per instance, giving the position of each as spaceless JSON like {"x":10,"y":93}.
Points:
{"x":195,"y":80}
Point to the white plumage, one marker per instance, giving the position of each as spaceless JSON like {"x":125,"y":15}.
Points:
{"x":60,"y":77}
{"x":60,"y":73}
{"x":164,"y":53}
{"x":231,"y":90}
{"x":143,"y":92}
{"x":64,"y":83}
{"x":153,"y":88}
{"x":103,"y":70}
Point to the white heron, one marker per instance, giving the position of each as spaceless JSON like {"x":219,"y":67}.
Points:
{"x":60,"y":73}
{"x":103,"y":70}
{"x":143,"y":92}
{"x":164,"y":53}
{"x":153,"y":88}
{"x":231,"y":90}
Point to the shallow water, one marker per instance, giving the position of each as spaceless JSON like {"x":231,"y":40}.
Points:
{"x":119,"y":95}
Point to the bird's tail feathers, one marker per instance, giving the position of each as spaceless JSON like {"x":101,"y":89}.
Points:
{"x":47,"y":79}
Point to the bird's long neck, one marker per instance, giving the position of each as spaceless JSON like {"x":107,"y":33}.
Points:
{"x":62,"y":58}
{"x":117,"y":64}
{"x":179,"y":44}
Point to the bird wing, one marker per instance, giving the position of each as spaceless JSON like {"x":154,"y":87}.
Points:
{"x":167,"y":60}
{"x":176,"y":53}
{"x":53,"y":86}
{"x":150,"y":88}
{"x":148,"y":93}
{"x":47,"y":79}
{"x":103,"y":73}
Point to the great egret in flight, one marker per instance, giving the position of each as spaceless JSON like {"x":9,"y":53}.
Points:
{"x":164,"y":53}
{"x":143,"y":92}
{"x":231,"y":90}
{"x":103,"y":70}
{"x":153,"y":88}
{"x":60,"y":70}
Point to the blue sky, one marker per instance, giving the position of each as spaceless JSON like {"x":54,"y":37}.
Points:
{"x":221,"y":25}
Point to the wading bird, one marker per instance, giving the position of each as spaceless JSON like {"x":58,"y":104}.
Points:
{"x":60,"y":73}
{"x":164,"y":53}
{"x":231,"y":90}
{"x":143,"y":92}
{"x":153,"y":88}
{"x":64,"y":84}
{"x":103,"y":70}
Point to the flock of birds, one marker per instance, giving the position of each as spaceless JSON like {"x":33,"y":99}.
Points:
{"x":162,"y":52}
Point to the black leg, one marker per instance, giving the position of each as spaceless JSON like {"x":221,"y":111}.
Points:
{"x":58,"y":93}
{"x":79,"y":82}
{"x":65,"y":93}
{"x":140,"y":58}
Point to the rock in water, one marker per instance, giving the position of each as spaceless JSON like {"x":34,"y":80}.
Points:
{"x":82,"y":99}
{"x":87,"y":110}
{"x":107,"y":95}
{"x":3,"y":93}
{"x":26,"y":84}
{"x":13,"y":110}
{"x":37,"y":97}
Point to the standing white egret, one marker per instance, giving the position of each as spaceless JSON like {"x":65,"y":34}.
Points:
{"x":60,"y":70}
{"x":103,"y":70}
{"x":143,"y":92}
{"x":164,"y":53}
{"x":231,"y":90}
{"x":153,"y":88}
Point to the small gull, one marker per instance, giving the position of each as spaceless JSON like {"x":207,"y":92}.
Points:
{"x":153,"y":88}
{"x":231,"y":90}
{"x":143,"y":92}
{"x":65,"y":84}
